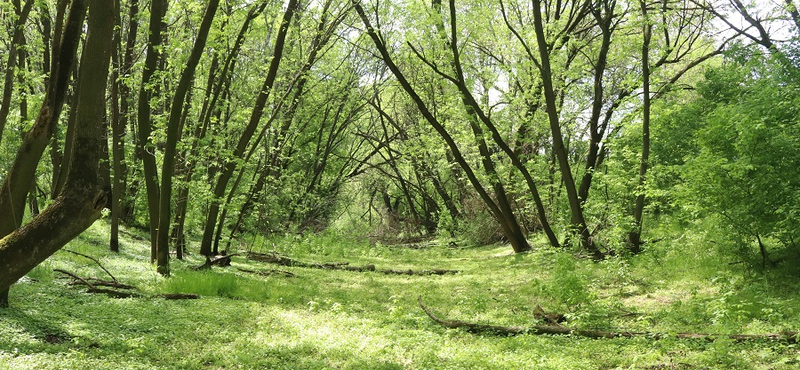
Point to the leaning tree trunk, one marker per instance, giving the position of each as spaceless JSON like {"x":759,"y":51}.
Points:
{"x":576,"y":206}
{"x":23,"y":170}
{"x":79,"y":205}
{"x":498,"y":213}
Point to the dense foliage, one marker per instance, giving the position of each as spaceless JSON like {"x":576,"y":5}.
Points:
{"x":610,"y":130}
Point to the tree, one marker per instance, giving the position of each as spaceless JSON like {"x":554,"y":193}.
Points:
{"x":252,"y":125}
{"x":23,"y":170}
{"x":144,"y":146}
{"x":82,"y":199}
{"x":173,"y":135}
{"x":746,"y":152}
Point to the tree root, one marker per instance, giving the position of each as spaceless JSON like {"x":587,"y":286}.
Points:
{"x":223,"y":260}
{"x":789,"y":337}
{"x":285,"y":261}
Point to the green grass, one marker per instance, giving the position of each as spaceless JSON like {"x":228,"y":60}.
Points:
{"x":326,"y":319}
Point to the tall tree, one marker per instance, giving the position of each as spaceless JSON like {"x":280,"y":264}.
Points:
{"x":79,"y":205}
{"x":252,"y":125}
{"x":516,"y":238}
{"x":23,"y":170}
{"x":173,"y":135}
{"x":144,"y":146}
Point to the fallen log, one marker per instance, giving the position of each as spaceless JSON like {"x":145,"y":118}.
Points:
{"x":286,"y":261}
{"x":789,"y":337}
{"x":418,"y":272}
{"x":268,"y":272}
{"x":177,"y":296}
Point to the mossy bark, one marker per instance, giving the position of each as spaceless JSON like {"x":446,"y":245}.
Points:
{"x":79,"y":205}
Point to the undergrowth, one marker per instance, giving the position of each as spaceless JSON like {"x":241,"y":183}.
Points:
{"x":333,"y":319}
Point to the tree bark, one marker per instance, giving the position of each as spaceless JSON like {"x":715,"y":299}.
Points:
{"x":173,"y":135}
{"x":635,"y":235}
{"x":144,"y":147}
{"x":255,"y":117}
{"x":82,"y":199}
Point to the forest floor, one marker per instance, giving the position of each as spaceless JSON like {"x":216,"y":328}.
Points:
{"x":338,"y":319}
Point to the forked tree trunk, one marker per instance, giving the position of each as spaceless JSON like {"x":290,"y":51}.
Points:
{"x":578,"y":222}
{"x":23,"y":170}
{"x":83,"y":198}
{"x":517,"y":243}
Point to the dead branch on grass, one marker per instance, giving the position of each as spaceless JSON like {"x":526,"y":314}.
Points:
{"x":116,"y":289}
{"x":286,"y":261}
{"x":789,"y":337}
{"x":268,"y":272}
{"x":95,"y":261}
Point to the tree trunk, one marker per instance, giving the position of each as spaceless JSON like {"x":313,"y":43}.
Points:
{"x":576,"y":207}
{"x":17,"y":41}
{"x":635,"y":236}
{"x":82,"y":200}
{"x":23,"y":170}
{"x":258,"y":110}
{"x":173,"y":135}
{"x":497,"y":212}
{"x":144,"y":147}
{"x":116,"y":133}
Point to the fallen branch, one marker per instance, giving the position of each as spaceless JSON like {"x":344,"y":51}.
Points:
{"x":268,"y":272}
{"x":94,"y":286}
{"x":93,"y":283}
{"x":790,"y":337}
{"x":176,"y":296}
{"x":286,"y":261}
{"x":418,"y":272}
{"x":95,"y":261}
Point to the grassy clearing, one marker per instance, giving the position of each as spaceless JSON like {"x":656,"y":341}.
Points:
{"x":323,"y":319}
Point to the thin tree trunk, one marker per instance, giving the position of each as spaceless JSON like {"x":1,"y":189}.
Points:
{"x":576,"y":207}
{"x":258,"y":110}
{"x":458,"y":157}
{"x":116,"y":133}
{"x":22,"y":13}
{"x":144,"y":147}
{"x":126,"y":117}
{"x":173,"y":135}
{"x":214,"y":90}
{"x":635,"y":236}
